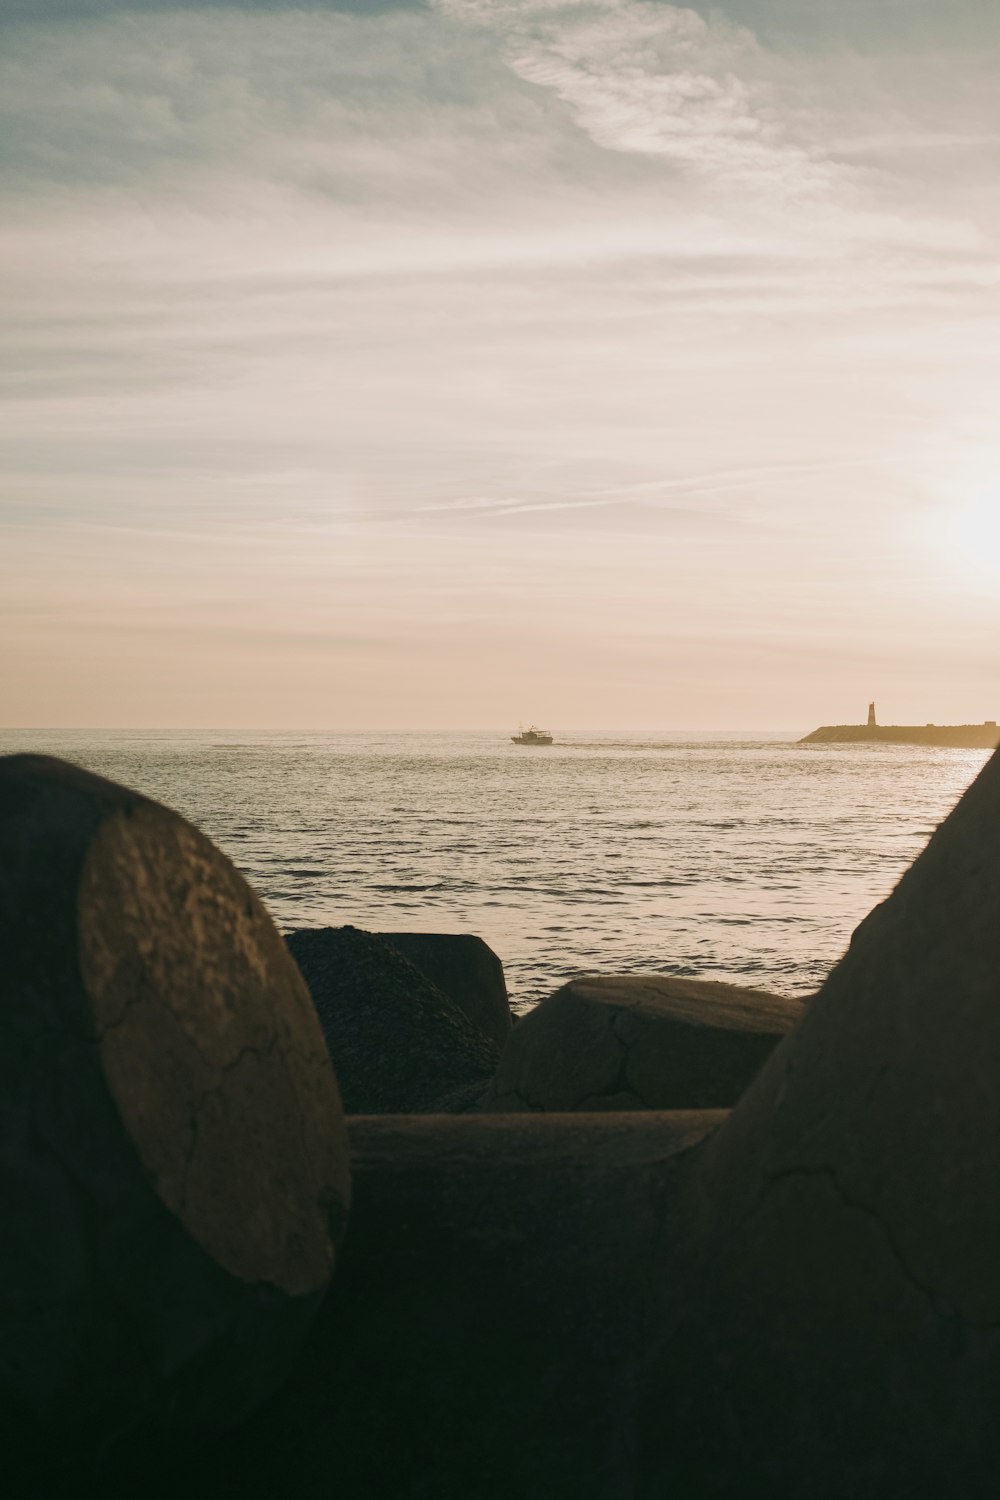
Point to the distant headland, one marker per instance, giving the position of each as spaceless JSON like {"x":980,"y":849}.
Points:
{"x":985,"y":736}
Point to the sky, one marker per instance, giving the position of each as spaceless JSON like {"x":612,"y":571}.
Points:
{"x":603,"y":363}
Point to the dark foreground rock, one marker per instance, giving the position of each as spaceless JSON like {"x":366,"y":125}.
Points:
{"x":799,"y":1300}
{"x":807,"y":1304}
{"x":640,"y":1042}
{"x":399,"y":1044}
{"x":173,"y":1165}
{"x":831,"y":1313}
{"x":466,"y":969}
{"x":486,"y":1334}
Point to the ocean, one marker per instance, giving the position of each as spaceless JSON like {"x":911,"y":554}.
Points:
{"x":744,"y":858}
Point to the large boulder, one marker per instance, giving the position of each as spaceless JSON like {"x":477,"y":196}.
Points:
{"x":468,"y":972}
{"x":807,"y":1303}
{"x":486,"y":1334}
{"x":832,"y":1302}
{"x":399,"y":1044}
{"x":173,"y":1161}
{"x":640,"y":1042}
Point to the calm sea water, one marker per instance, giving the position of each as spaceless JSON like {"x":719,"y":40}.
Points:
{"x":737,"y":859}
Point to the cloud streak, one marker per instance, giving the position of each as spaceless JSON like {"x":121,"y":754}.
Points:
{"x":54,"y":11}
{"x":535,"y":333}
{"x":659,"y":80}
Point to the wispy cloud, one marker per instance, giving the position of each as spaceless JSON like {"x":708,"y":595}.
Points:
{"x":48,"y":11}
{"x":660,"y":80}
{"x":568,"y":322}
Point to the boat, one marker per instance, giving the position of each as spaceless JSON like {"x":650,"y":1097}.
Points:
{"x":532,"y":736}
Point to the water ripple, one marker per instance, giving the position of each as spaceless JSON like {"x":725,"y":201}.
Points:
{"x":750,"y":861}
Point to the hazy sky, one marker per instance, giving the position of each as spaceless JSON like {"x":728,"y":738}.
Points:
{"x":605,"y":362}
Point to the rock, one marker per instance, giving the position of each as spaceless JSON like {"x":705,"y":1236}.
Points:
{"x":640,"y":1042}
{"x":832,"y":1320}
{"x":466,"y":969}
{"x":398,"y":1043}
{"x":486,"y":1332}
{"x":173,"y":1163}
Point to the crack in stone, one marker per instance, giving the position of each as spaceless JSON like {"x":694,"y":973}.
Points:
{"x":199,"y":1103}
{"x":630,"y":1087}
{"x":943,"y":1310}
{"x":310,"y":1058}
{"x":100,"y":1032}
{"x":619,"y":1084}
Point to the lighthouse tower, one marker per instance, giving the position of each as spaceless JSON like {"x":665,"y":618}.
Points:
{"x":871,"y":716}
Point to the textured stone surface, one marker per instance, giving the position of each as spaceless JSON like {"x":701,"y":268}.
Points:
{"x":173,"y":1164}
{"x":486,"y":1332}
{"x":833,"y":1309}
{"x":399,"y":1044}
{"x":640,"y":1042}
{"x":466,"y":969}
{"x":801,"y":1300}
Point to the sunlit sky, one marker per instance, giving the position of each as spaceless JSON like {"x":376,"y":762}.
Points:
{"x":609,"y":364}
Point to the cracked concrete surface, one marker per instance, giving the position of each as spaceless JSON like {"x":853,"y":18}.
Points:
{"x":836,"y":1263}
{"x":802,"y":1305}
{"x":640,"y":1042}
{"x":801,"y":1299}
{"x":209,"y":1045}
{"x":173,"y":1155}
{"x":484,"y":1333}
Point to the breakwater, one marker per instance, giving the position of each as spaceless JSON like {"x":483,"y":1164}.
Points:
{"x":984,"y":736}
{"x":662,"y":1237}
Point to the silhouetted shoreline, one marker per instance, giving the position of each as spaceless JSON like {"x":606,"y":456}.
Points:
{"x":984,"y":736}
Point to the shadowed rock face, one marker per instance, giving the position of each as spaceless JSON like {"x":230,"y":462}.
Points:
{"x":640,"y":1042}
{"x":466,"y":970}
{"x":398,"y":1043}
{"x":833,"y":1313}
{"x":486,"y":1333}
{"x":173,"y":1164}
{"x":804,"y":1303}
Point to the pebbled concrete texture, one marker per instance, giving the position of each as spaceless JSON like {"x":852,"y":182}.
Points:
{"x":173,"y":1159}
{"x":833,"y":1319}
{"x":399,"y":1044}
{"x":640,"y":1042}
